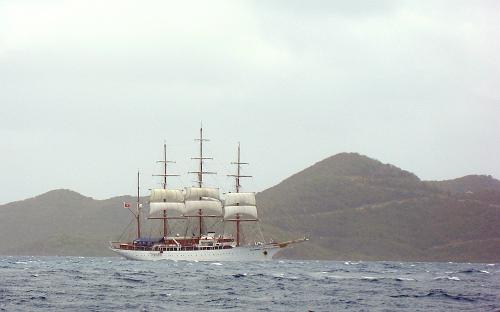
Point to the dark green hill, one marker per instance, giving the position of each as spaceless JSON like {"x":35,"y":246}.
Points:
{"x":353,"y":207}
{"x":339,"y":182}
{"x":470,"y":183}
{"x":61,"y":222}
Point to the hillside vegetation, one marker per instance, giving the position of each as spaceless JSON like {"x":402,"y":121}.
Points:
{"x":354,"y":207}
{"x":351,"y":206}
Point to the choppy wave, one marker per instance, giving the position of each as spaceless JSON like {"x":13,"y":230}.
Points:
{"x":97,"y":284}
{"x":439,"y":293}
{"x":474,"y":270}
{"x":450,"y":278}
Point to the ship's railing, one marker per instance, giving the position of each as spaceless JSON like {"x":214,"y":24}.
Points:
{"x":162,"y":248}
{"x":128,"y":246}
{"x":189,"y":248}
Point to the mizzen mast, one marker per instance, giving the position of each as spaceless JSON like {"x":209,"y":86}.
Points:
{"x":239,"y":204}
{"x":238,"y":174}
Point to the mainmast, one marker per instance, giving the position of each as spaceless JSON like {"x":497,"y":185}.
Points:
{"x":237,"y":177}
{"x":164,"y":161}
{"x":200,"y":174}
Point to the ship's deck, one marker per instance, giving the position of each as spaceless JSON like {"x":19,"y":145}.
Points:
{"x":176,"y":244}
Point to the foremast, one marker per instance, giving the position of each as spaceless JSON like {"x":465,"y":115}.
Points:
{"x":166,"y":200}
{"x":239,"y":204}
{"x":138,"y":206}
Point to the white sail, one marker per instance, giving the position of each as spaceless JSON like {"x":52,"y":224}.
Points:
{"x":242,"y":204}
{"x":208,"y":207}
{"x":166,"y":195}
{"x":241,"y":199}
{"x":199,"y":193}
{"x":175,"y":209}
{"x":230,"y":212}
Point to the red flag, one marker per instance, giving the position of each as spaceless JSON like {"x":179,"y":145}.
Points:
{"x":126,"y":205}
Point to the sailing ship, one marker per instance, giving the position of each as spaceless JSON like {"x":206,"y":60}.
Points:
{"x":200,"y":203}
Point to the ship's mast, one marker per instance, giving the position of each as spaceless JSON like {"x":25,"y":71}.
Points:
{"x":164,"y":161}
{"x":237,"y":177}
{"x":138,"y":214}
{"x":238,"y":174}
{"x":200,"y":173}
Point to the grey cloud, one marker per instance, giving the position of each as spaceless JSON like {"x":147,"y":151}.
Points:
{"x":411,"y":83}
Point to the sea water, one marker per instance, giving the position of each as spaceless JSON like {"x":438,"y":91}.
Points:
{"x":116,"y":284}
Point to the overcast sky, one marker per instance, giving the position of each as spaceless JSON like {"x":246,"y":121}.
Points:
{"x":89,"y":90}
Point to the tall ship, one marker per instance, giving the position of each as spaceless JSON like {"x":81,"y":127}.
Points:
{"x":204,"y":217}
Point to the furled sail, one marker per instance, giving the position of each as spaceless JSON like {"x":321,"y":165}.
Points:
{"x":166,"y":195}
{"x":171,"y":201}
{"x":208,"y":207}
{"x":242,"y":204}
{"x":202,"y":193}
{"x":204,"y":198}
{"x":240,"y":199}
{"x":170,"y":208}
{"x":231,"y":212}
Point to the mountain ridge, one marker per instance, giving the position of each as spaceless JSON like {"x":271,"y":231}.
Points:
{"x":352,"y":206}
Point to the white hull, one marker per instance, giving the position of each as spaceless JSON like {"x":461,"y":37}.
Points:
{"x":246,"y":253}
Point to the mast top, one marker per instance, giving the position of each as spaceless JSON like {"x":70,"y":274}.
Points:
{"x":238,"y":174}
{"x":164,"y":161}
{"x":200,"y":171}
